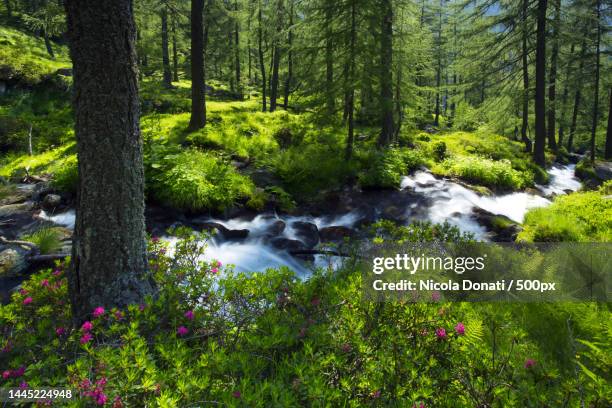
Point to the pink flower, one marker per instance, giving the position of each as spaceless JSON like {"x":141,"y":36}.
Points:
{"x":98,"y":311}
{"x":529,"y":363}
{"x":102,"y":381}
{"x":101,"y":398}
{"x":57,"y":272}
{"x":460,"y":329}
{"x":86,"y":338}
{"x":182,"y":330}
{"x":142,"y":307}
{"x":214,"y":271}
{"x":60,"y":331}
{"x":441,"y":333}
{"x":376,"y":394}
{"x":23,"y":292}
{"x":189,"y":314}
{"x":18,"y":372}
{"x":87,"y":326}
{"x":6,"y":374}
{"x":315,"y":301}
{"x":27,"y":300}
{"x":435,"y":296}
{"x":44,"y":283}
{"x":236,"y":394}
{"x":117,"y":402}
{"x":23,"y":385}
{"x":118,"y":315}
{"x":155,"y":239}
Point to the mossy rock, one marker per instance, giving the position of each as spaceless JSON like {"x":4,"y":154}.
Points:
{"x":12,"y":262}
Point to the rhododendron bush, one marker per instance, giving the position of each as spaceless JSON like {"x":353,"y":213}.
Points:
{"x":212,"y":336}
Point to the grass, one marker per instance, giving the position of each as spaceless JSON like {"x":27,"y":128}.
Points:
{"x":48,"y":239}
{"x":581,"y":217}
{"x":24,"y":58}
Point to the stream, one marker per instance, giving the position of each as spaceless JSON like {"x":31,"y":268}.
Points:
{"x":261,"y":242}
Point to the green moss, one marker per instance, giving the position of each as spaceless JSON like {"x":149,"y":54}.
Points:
{"x":582,"y":216}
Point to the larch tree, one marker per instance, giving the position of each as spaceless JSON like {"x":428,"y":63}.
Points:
{"x":109,"y":263}
{"x":540,"y":85}
{"x":198,"y":86}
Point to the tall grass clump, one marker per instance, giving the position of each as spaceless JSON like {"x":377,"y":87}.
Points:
{"x":486,"y":172}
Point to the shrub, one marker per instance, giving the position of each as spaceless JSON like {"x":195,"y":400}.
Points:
{"x":439,"y":150}
{"x":386,"y":168}
{"x":581,"y":216}
{"x":48,"y":239}
{"x":194,"y":180}
{"x":486,"y":172}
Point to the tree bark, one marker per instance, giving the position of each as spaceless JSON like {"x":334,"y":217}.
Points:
{"x":276,"y":57}
{"x":386,"y":76}
{"x":608,"y":151}
{"x":577,"y":99}
{"x":198,"y":86}
{"x":48,"y":45}
{"x":597,"y":68}
{"x":109,"y":264}
{"x":329,"y":59}
{"x":262,"y":65}
{"x":289,"y":78}
{"x":540,"y":86}
{"x":237,"y":52}
{"x":167,"y":74}
{"x":525,"y":54}
{"x":552,"y":78}
{"x":350,"y":82}
{"x":438,"y":68}
{"x":174,"y":50}
{"x":9,"y":9}
{"x":563,"y":110}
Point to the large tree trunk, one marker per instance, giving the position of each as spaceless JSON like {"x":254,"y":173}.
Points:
{"x":289,"y":78}
{"x":596,"y":93}
{"x":552,"y":79}
{"x":109,"y":263}
{"x":525,"y":52}
{"x":237,"y":51}
{"x":540,"y":86}
{"x":386,"y":76}
{"x":48,"y":45}
{"x":329,"y":60}
{"x":350,"y":82}
{"x":198,"y":86}
{"x":577,"y":99}
{"x":608,"y":152}
{"x":174,"y":50}
{"x":262,"y":64}
{"x":9,"y":9}
{"x":167,"y":78}
{"x":276,"y":57}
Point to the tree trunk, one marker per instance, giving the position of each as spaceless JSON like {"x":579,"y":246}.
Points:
{"x":276,"y":57}
{"x":198,"y":86}
{"x":167,"y":79}
{"x":386,"y":76}
{"x":540,"y":86}
{"x":350,"y":91}
{"x":577,"y":99}
{"x":237,"y":52}
{"x":48,"y":45}
{"x":109,"y":263}
{"x":262,"y":64}
{"x":289,"y":78}
{"x":9,"y":9}
{"x":525,"y":52}
{"x":552,"y":79}
{"x":438,"y":68}
{"x":329,"y":61}
{"x":174,"y":50}
{"x":597,"y":66}
{"x":608,"y":152}
{"x":563,"y":110}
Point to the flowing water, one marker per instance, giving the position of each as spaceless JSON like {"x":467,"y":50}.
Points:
{"x":446,"y":200}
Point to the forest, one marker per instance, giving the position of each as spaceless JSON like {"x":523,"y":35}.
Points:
{"x":193,"y":193}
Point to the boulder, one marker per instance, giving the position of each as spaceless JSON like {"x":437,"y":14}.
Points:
{"x":225,"y":232}
{"x":276,"y":228}
{"x":286,"y":244}
{"x":502,"y":228}
{"x":12,"y":262}
{"x":307,"y":232}
{"x":15,"y":209}
{"x":336,"y":233}
{"x":51,"y":202}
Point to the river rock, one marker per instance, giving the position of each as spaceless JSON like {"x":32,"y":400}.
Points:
{"x":276,"y":228}
{"x":502,"y":228}
{"x":51,"y":202}
{"x":336,"y":233}
{"x":12,"y":262}
{"x":225,"y":232}
{"x":15,"y":209}
{"x":307,"y":232}
{"x":286,"y":244}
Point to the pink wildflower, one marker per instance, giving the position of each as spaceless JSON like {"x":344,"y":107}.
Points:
{"x":435,"y":296}
{"x":529,"y":363}
{"x":214,"y":271}
{"x":98,"y":311}
{"x":118,"y":315}
{"x":23,"y":292}
{"x":23,"y":385}
{"x":18,"y":372}
{"x":460,"y":329}
{"x":155,"y":239}
{"x":315,"y":301}
{"x":86,"y":338}
{"x":27,"y":300}
{"x":189,"y":314}
{"x":441,"y":333}
{"x":60,"y":331}
{"x":57,"y":272}
{"x":101,"y":398}
{"x":44,"y":283}
{"x":376,"y":394}
{"x":236,"y":394}
{"x":182,"y":330}
{"x":87,"y":326}
{"x":6,"y":374}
